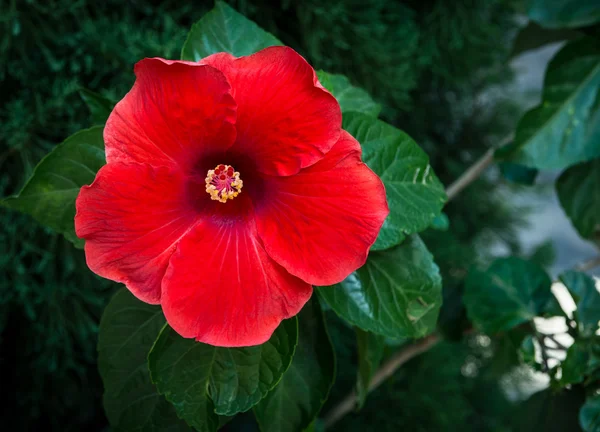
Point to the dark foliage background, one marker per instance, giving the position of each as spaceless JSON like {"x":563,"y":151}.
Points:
{"x":437,"y":66}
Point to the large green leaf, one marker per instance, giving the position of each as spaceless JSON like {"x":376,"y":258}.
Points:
{"x":127,"y":331}
{"x":586,"y":296}
{"x":397,"y":293}
{"x":564,"y":13}
{"x":589,"y":415}
{"x":415,"y":195}
{"x":565,"y":128}
{"x":578,"y":190}
{"x":99,"y":106}
{"x":295,"y":402}
{"x":201,"y":379}
{"x":49,"y":195}
{"x":351,"y":99}
{"x":370,"y":352}
{"x":225,"y":30}
{"x":510,"y":292}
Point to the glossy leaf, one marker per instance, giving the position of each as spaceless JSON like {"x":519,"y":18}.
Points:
{"x":578,"y":190}
{"x":49,"y":195}
{"x":370,"y":352}
{"x":564,"y":13}
{"x":99,"y":106}
{"x":201,"y":380}
{"x":225,"y":30}
{"x":589,"y":415}
{"x":565,"y":128}
{"x":127,"y":331}
{"x":583,"y":290}
{"x":296,"y":401}
{"x":510,"y":292}
{"x":351,"y":98}
{"x":414,"y":193}
{"x":397,"y":293}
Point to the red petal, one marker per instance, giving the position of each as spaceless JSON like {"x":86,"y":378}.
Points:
{"x":132,"y":217}
{"x":285,"y":119}
{"x":223,"y":289}
{"x":320,"y":223}
{"x":175,"y":112}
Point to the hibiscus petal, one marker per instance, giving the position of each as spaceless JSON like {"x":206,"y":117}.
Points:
{"x":223,"y":289}
{"x":285,"y":119}
{"x":132,"y":217}
{"x":320,"y":223}
{"x":175,"y":113}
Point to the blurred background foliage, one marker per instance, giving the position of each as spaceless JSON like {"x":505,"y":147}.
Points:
{"x":438,"y":67}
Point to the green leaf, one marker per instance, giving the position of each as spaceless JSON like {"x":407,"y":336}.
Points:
{"x":397,"y":293}
{"x":583,"y":290}
{"x":351,"y":98}
{"x":565,"y":128}
{"x":519,"y":174}
{"x":564,"y":13}
{"x":49,"y":195}
{"x":100,"y":107}
{"x":527,"y":352}
{"x":549,"y":411}
{"x":510,"y":292}
{"x":533,"y":36}
{"x":295,"y":402}
{"x":578,"y":190}
{"x":415,"y":195}
{"x":583,"y":359}
{"x":589,"y":415}
{"x":441,"y":222}
{"x":225,"y":30}
{"x":127,"y":331}
{"x":201,"y":379}
{"x":370,"y":352}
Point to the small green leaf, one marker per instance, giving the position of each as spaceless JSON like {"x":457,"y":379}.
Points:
{"x":441,"y":222}
{"x":519,"y":174}
{"x":351,"y":99}
{"x":510,"y":292}
{"x":127,"y":331}
{"x":370,"y":352}
{"x":100,"y":107}
{"x":201,"y":379}
{"x":564,"y":13}
{"x":296,"y":401}
{"x":565,"y":128}
{"x":49,"y":195}
{"x":583,"y":359}
{"x":578,"y":190}
{"x":583,"y":290}
{"x":415,"y":195}
{"x":225,"y":30}
{"x":527,"y":351}
{"x":589,"y":416}
{"x":397,"y":293}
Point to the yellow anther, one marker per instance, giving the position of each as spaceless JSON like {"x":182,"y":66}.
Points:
{"x":223,"y":183}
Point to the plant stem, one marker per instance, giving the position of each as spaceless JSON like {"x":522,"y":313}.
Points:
{"x":588,"y":265}
{"x":383,"y":373}
{"x":475,"y":170}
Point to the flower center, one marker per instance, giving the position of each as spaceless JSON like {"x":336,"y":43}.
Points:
{"x":223,"y":183}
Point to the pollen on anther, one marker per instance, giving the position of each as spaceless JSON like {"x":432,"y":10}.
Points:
{"x":223,"y":183}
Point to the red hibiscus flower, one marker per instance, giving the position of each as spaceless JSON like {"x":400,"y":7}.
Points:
{"x":230,"y":188}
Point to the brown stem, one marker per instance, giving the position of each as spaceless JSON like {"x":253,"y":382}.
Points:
{"x":474,"y":171}
{"x":384,"y":372}
{"x":588,"y":265}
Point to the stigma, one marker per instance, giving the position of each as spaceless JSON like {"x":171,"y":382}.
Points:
{"x":223,"y":183}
